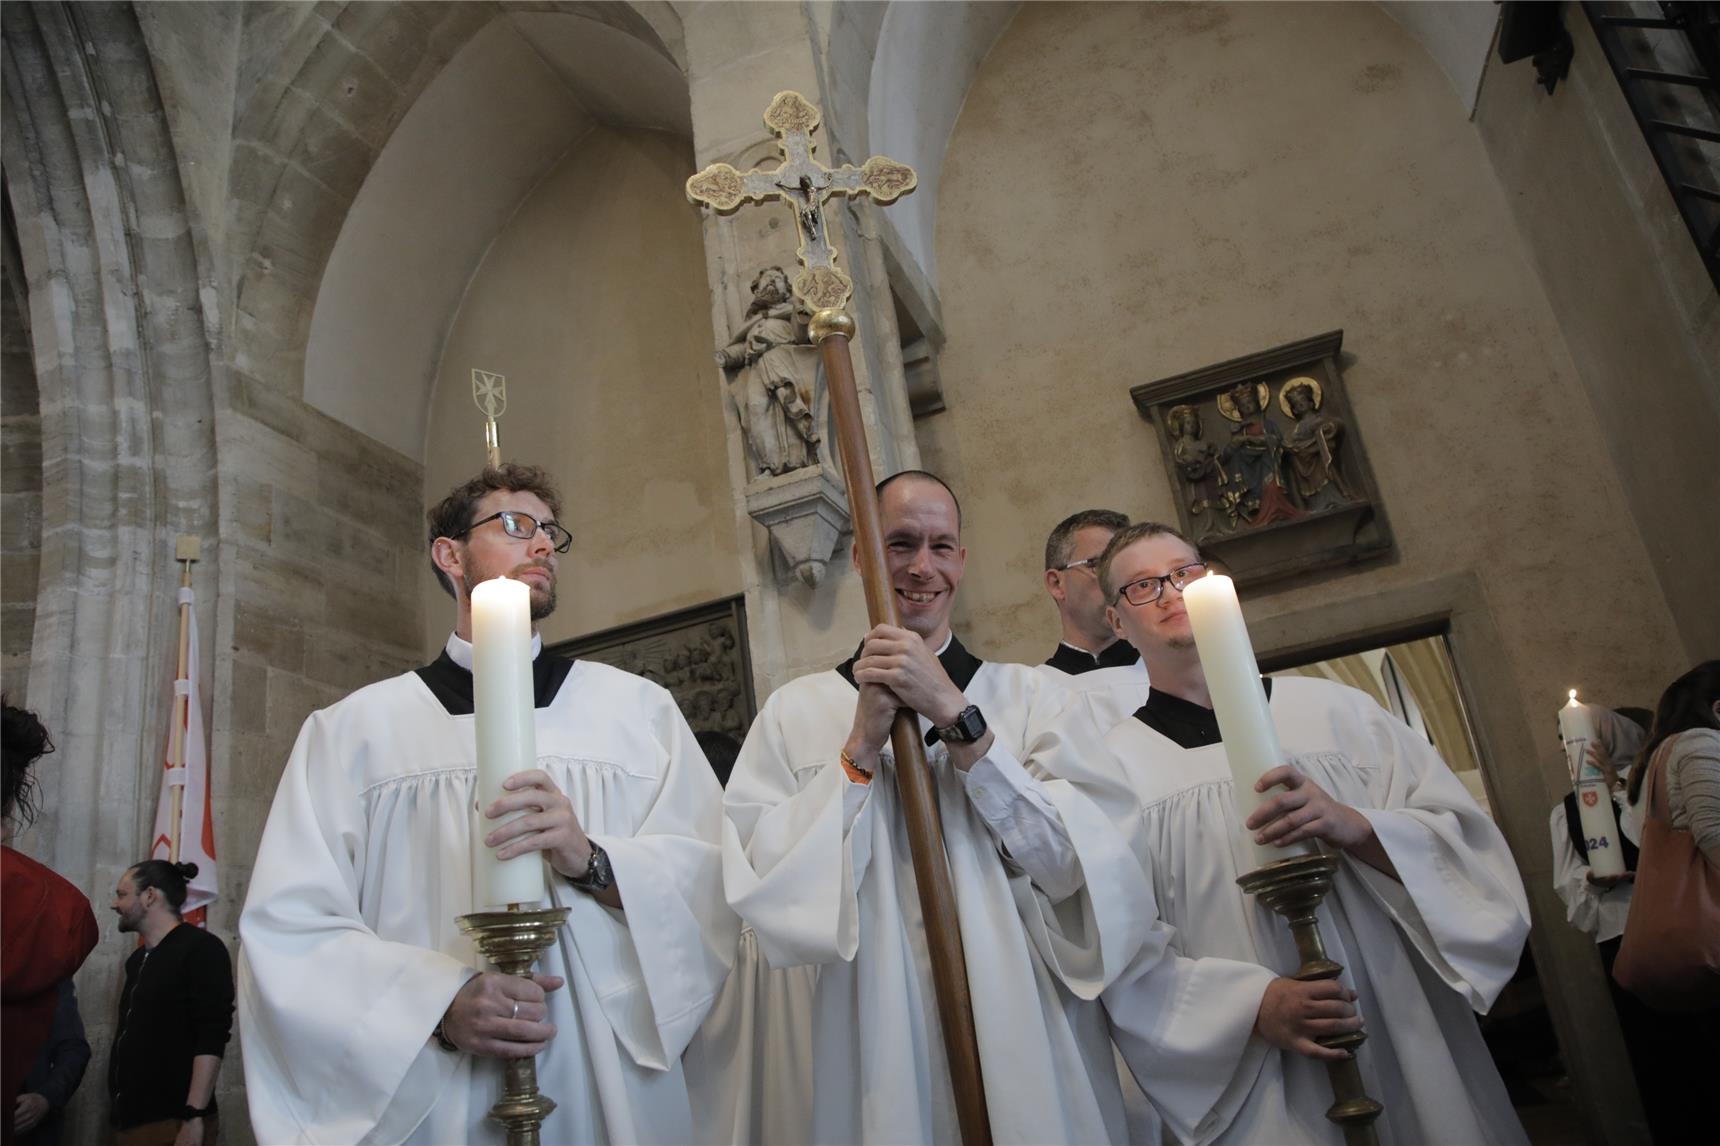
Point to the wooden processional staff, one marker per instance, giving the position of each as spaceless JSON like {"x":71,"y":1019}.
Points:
{"x":805,"y":184}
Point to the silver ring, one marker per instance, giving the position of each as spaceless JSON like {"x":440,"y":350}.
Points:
{"x":516,"y":1013}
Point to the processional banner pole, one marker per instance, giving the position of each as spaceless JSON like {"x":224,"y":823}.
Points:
{"x":187,"y":550}
{"x":805,"y":184}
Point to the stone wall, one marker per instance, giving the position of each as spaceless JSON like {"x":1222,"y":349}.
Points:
{"x":591,"y":302}
{"x":1644,"y":335}
{"x":1235,"y":214}
{"x":20,"y":479}
{"x":1133,"y":191}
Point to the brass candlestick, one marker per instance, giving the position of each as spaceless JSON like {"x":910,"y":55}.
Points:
{"x":513,"y":940}
{"x":1293,"y":888}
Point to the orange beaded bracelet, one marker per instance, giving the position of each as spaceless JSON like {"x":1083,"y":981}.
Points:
{"x":853,"y":771}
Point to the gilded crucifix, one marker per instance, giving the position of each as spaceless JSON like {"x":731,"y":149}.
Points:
{"x":806,"y":184}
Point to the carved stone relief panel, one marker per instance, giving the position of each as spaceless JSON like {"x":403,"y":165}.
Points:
{"x":698,"y":654}
{"x":1267,"y":462}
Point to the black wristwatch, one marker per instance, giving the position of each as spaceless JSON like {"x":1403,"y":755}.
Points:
{"x":969,"y":726}
{"x":598,"y":875}
{"x":188,"y":1112}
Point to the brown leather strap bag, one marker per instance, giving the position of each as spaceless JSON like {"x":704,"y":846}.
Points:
{"x":1670,"y":956}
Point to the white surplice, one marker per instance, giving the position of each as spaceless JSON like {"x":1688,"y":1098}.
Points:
{"x":819,"y":867}
{"x":350,"y":953}
{"x":1422,"y":954}
{"x":1114,"y":693}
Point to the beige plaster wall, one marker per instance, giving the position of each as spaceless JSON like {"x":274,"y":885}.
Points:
{"x":1645,"y":333}
{"x":1136,"y":190}
{"x":1192,"y":200}
{"x":592,"y":301}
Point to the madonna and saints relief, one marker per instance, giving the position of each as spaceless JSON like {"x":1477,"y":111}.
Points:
{"x":774,"y":381}
{"x":1261,"y":474}
{"x":1266,"y":467}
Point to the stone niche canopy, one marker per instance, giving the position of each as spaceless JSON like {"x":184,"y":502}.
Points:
{"x":1267,"y":463}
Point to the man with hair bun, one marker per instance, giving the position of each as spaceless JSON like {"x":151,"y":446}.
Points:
{"x":174,"y":1021}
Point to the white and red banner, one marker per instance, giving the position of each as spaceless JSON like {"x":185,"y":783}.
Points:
{"x":196,"y":827}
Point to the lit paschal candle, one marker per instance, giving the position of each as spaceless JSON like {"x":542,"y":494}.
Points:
{"x":1238,"y":700}
{"x":503,"y":714}
{"x":1594,"y":801}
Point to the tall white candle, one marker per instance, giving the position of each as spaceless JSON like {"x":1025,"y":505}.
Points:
{"x":1238,"y":699}
{"x":1594,"y":801}
{"x":502,"y":705}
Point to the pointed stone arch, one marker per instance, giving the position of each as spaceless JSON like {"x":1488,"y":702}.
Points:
{"x":127,"y":400}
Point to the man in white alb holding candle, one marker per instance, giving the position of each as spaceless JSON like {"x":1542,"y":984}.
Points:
{"x":1427,"y":915}
{"x":363,"y":1012}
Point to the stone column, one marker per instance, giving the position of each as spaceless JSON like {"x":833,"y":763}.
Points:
{"x":738,"y":57}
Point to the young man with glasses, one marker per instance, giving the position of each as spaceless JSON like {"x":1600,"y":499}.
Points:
{"x":364,"y":1013}
{"x":1427,"y":914}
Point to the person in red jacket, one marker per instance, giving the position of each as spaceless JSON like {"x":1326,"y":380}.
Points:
{"x":46,"y":926}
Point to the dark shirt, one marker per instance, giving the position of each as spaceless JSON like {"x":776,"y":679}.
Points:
{"x":453,"y":684}
{"x":177,"y":1004}
{"x":958,"y":663}
{"x":58,"y":1069}
{"x":1074,"y":661}
{"x":46,"y":930}
{"x":1187,"y":724}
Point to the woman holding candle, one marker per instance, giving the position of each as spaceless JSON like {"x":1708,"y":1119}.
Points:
{"x":1220,"y":772}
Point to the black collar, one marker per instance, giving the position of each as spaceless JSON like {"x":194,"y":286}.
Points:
{"x":1074,"y":661}
{"x":960,"y":664}
{"x":1187,"y":724}
{"x":453,"y":684}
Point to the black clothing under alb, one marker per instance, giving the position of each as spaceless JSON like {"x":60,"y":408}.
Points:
{"x":452,"y":684}
{"x":959,"y":664}
{"x":1074,"y":661}
{"x":1183,"y":722}
{"x":177,"y":1004}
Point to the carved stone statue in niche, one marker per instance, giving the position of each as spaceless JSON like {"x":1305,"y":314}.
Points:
{"x":1314,"y":447}
{"x":774,"y":379}
{"x":1197,"y":461}
{"x":1253,"y":459}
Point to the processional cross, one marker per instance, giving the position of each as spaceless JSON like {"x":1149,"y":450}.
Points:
{"x":490,"y":393}
{"x":807,"y":185}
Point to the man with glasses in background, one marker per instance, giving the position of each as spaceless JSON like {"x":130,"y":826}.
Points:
{"x":364,"y":1014}
{"x":1091,"y":658}
{"x":1427,"y":913}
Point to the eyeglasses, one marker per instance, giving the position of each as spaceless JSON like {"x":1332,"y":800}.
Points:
{"x":524,"y":526}
{"x":1150,"y":589}
{"x":1087,"y":562}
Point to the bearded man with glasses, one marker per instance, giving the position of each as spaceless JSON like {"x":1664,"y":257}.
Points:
{"x":364,"y":1014}
{"x":1427,"y":913}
